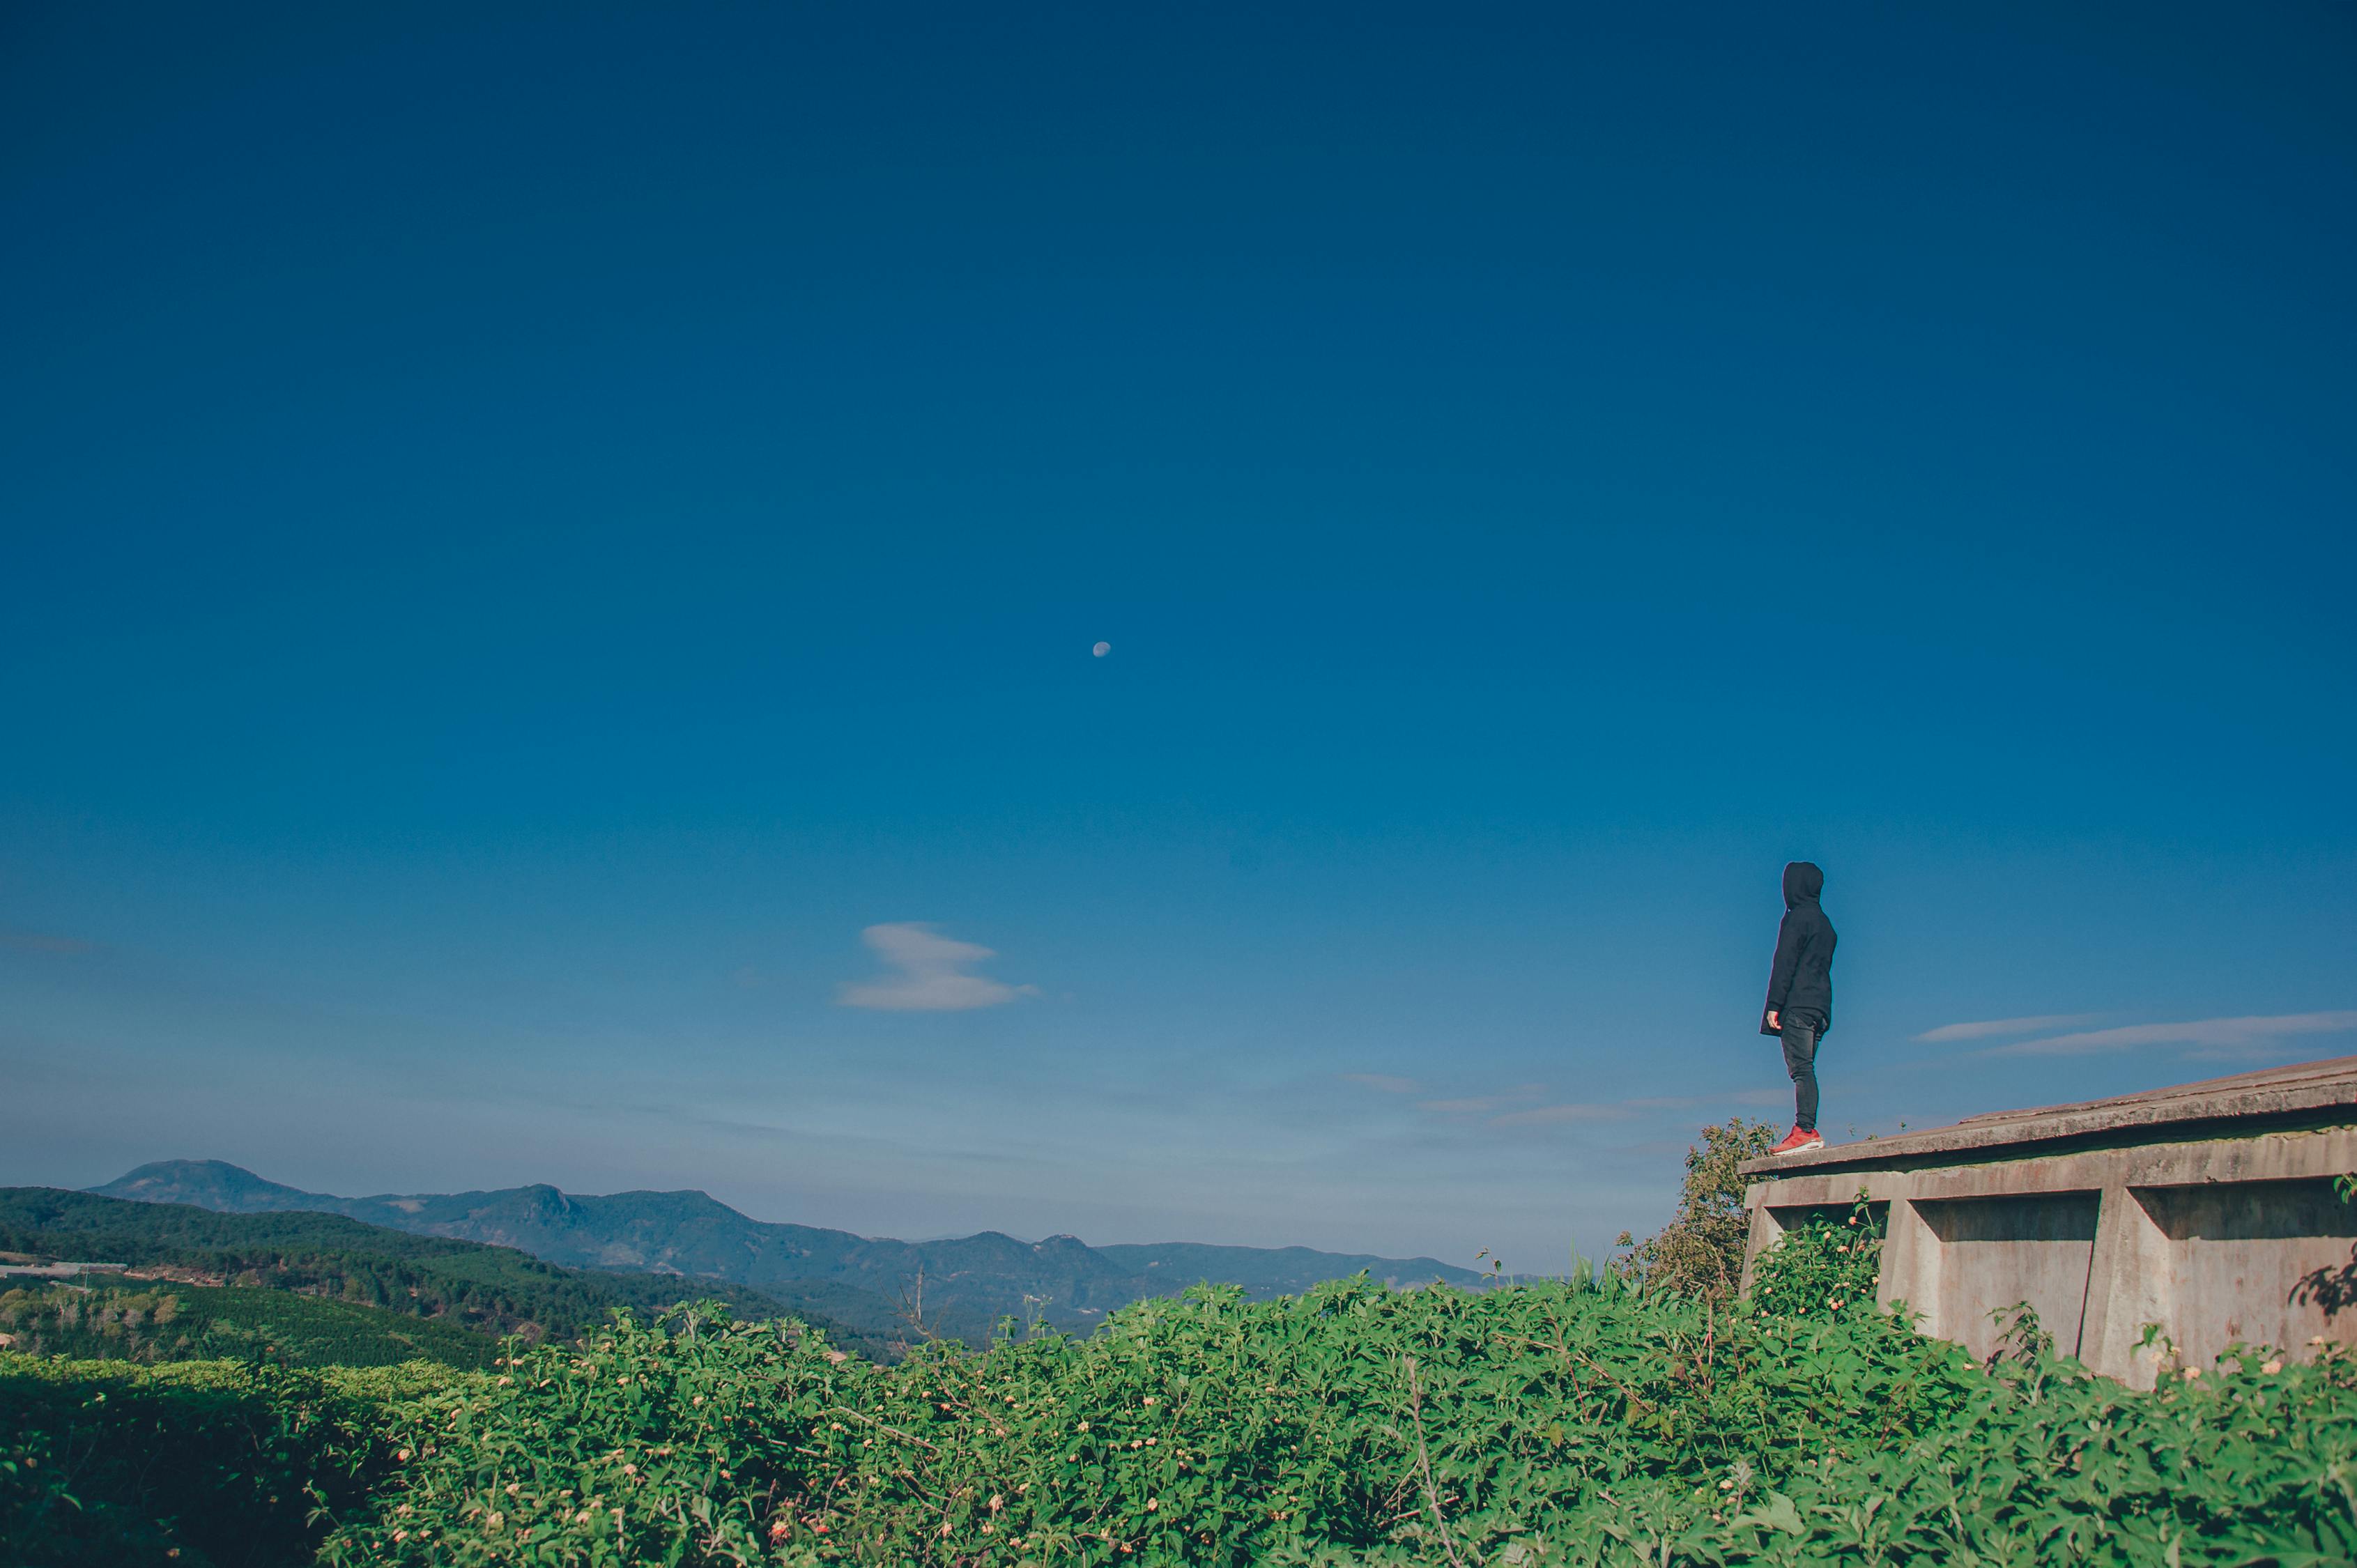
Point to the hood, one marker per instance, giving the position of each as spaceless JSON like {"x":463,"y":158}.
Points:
{"x":1802,"y":880}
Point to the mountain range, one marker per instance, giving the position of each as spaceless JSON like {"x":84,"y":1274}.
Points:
{"x":957,"y":1287}
{"x":241,"y":1267}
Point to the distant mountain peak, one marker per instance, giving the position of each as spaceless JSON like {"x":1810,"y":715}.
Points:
{"x":972,"y":1281}
{"x":221,"y":1170}
{"x":210,"y":1183}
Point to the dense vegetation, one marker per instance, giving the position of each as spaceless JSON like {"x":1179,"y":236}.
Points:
{"x":495,"y":1290}
{"x":1700,"y":1252}
{"x":170,"y":1321}
{"x":210,"y":1463}
{"x":1607,"y":1420}
{"x":1530,"y":1425}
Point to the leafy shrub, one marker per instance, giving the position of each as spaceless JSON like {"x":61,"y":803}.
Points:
{"x":109,"y":1465}
{"x":1604,"y":1420}
{"x":1526,"y":1427}
{"x":1824,"y":1268}
{"x":1701,"y":1250}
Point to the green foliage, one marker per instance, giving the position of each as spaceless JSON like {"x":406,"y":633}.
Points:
{"x":173,"y":1322}
{"x":1701,"y":1252}
{"x":1524,"y":1426}
{"x":105,"y":1465}
{"x":1604,"y":1420}
{"x":1828,"y":1267}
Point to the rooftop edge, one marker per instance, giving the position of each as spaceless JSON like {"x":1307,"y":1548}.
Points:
{"x":2302,"y":1088}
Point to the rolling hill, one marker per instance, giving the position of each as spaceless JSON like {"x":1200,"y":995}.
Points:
{"x":491,"y":1289}
{"x":169,"y":1320}
{"x":967,"y":1283}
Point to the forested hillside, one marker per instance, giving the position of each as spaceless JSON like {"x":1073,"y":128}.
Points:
{"x":1263,"y":1272}
{"x":1598,"y":1422}
{"x":166,"y":1320}
{"x":962,"y":1286}
{"x":491,"y":1290}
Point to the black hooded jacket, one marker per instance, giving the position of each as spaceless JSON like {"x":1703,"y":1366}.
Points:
{"x":1803,"y":973}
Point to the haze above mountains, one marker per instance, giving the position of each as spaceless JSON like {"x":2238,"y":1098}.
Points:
{"x":967,"y":1284}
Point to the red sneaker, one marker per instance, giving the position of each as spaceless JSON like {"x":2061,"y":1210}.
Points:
{"x":1797,"y":1140}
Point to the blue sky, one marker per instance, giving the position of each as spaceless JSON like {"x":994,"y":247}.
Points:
{"x":552,"y":558}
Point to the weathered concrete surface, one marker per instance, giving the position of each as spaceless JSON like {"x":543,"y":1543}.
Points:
{"x":2206,"y":1208}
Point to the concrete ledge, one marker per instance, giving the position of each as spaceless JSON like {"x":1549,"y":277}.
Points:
{"x":2313,"y":1093}
{"x":2208,"y":1210}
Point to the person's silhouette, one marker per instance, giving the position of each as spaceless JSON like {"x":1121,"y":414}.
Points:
{"x":1800,"y":998}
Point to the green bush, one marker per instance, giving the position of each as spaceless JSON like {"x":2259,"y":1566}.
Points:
{"x":1604,"y":1420}
{"x":111,"y":1465}
{"x":1828,"y":1267}
{"x":1523,"y":1426}
{"x":1701,"y":1249}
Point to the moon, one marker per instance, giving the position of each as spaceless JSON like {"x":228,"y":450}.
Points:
{"x":1100,"y":649}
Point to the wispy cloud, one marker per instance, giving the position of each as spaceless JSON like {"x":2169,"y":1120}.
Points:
{"x":1513,"y":1108}
{"x":1990,"y":1028}
{"x":933,"y":973}
{"x":1474,"y":1105}
{"x":2207,"y":1037}
{"x":1708,"y":1101}
{"x":43,"y":941}
{"x":1549,"y":1115}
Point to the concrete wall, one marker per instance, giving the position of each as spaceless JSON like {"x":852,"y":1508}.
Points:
{"x":2219,"y":1240}
{"x":1988,"y":1253}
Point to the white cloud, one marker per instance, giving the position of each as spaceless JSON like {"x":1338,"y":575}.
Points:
{"x":1709,"y":1102}
{"x":1987,"y":1028}
{"x":2209,"y":1037}
{"x":1474,"y":1105}
{"x":933,"y":975}
{"x":1384,"y":1083}
{"x":1547,"y":1115}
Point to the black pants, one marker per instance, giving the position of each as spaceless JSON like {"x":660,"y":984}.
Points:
{"x":1800,"y":1033}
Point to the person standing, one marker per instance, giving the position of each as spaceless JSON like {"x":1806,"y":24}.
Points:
{"x":1800,"y":998}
